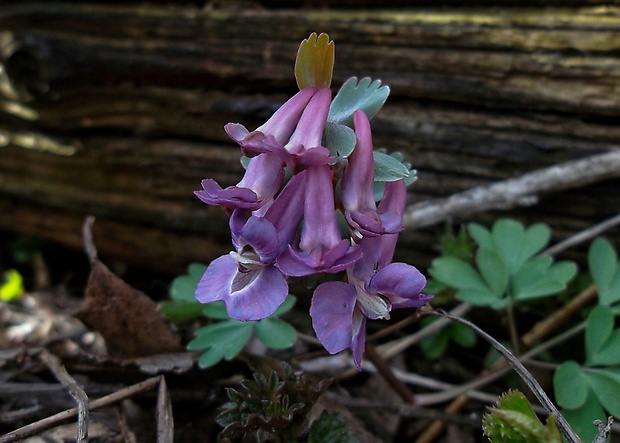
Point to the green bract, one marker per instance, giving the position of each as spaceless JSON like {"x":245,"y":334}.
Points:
{"x":367,"y":95}
{"x":505,"y":265}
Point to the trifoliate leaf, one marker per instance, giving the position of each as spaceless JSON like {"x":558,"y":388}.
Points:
{"x":367,"y":95}
{"x":315,"y":62}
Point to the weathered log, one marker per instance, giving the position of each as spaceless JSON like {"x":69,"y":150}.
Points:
{"x":117,"y":111}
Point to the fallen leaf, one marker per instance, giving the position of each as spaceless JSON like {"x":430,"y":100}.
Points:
{"x":129,"y":320}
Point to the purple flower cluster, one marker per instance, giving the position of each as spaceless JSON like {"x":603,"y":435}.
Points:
{"x":283,"y":229}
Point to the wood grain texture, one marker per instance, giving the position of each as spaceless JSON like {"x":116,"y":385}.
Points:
{"x":117,"y":110}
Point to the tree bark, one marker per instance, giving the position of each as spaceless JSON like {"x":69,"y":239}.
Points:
{"x":117,"y":111}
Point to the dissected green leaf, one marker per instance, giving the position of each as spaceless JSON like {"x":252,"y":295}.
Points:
{"x":570,"y":385}
{"x":538,"y":277}
{"x":183,"y":287}
{"x":331,"y":427}
{"x":508,"y":237}
{"x":493,"y":271}
{"x":178,"y":311}
{"x":456,"y":274}
{"x":481,"y":297}
{"x":275,"y":333}
{"x":221,"y":340}
{"x":367,"y":95}
{"x":480,"y":234}
{"x":216,"y":310}
{"x":535,"y":238}
{"x":388,"y":169}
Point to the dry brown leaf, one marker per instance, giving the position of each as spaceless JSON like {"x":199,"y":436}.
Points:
{"x":128,"y":319}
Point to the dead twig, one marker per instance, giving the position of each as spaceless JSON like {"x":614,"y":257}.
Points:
{"x":528,"y":378}
{"x":76,"y":391}
{"x":520,"y":191}
{"x":56,"y":419}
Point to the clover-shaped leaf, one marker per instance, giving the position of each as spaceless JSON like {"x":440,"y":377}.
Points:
{"x":604,"y":269}
{"x":314,"y":64}
{"x":367,"y":95}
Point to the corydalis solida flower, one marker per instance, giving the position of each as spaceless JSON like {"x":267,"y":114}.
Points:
{"x":375,"y":286}
{"x":289,"y":227}
{"x":247,"y":280}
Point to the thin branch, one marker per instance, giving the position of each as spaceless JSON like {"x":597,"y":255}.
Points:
{"x":520,"y":191}
{"x":531,"y":382}
{"x":76,"y":391}
{"x":56,"y":419}
{"x":584,"y":235}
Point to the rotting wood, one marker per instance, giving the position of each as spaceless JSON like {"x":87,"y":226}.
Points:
{"x":118,"y":110}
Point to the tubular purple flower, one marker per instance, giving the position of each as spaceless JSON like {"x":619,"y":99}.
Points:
{"x":339,"y":310}
{"x":276,"y":131}
{"x":304,"y":148}
{"x":247,"y":280}
{"x":321,"y":248}
{"x":357,"y":186}
{"x":260,"y":183}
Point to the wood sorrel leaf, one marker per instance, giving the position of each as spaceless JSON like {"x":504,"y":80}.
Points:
{"x":315,"y":61}
{"x":599,"y":328}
